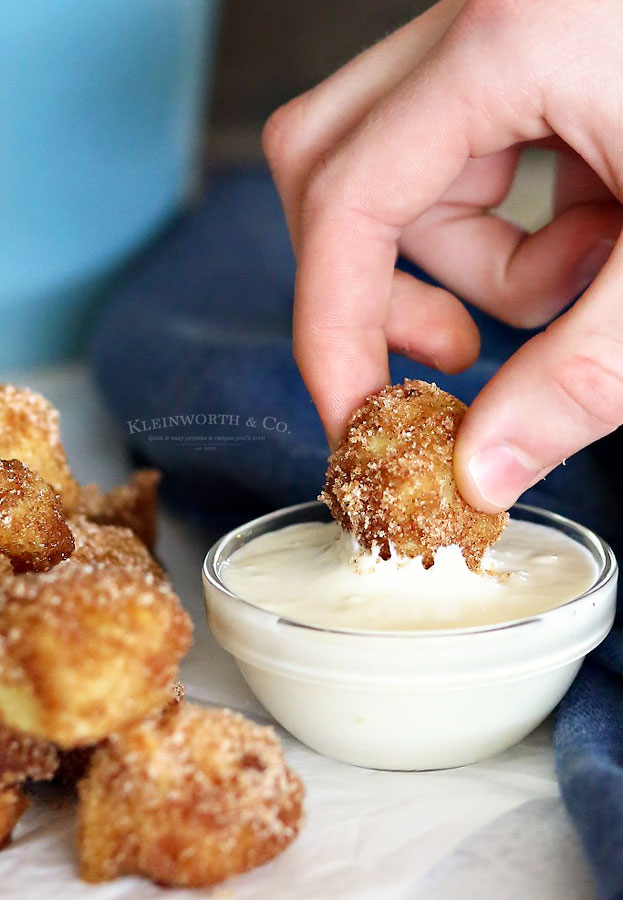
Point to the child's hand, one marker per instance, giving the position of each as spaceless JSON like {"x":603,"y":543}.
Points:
{"x":405,"y":149}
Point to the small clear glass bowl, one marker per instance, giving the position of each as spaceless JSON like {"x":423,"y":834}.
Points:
{"x":409,"y":699}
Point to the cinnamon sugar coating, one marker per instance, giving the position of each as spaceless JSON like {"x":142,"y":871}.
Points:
{"x":133,"y":505}
{"x":85,"y":650}
{"x":29,"y":432}
{"x":12,"y":804}
{"x":110,"y":546}
{"x":33,"y":533}
{"x":391,"y":483}
{"x":23,"y":757}
{"x":188,"y":798}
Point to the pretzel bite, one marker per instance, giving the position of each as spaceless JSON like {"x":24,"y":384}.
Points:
{"x":33,"y":531}
{"x":29,"y":432}
{"x":110,"y":546}
{"x":133,"y":505}
{"x":12,"y":804}
{"x":85,"y":650}
{"x":189,"y":798}
{"x":390,"y":482}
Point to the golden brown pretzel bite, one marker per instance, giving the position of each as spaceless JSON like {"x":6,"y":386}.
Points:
{"x":390,"y":481}
{"x":29,"y":432}
{"x":33,"y":531}
{"x":188,"y":798}
{"x":110,"y":546}
{"x":84,"y":650}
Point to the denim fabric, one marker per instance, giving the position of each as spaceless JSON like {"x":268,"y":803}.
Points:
{"x":201,"y":327}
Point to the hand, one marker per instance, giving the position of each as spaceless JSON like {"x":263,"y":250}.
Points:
{"x":405,"y":150}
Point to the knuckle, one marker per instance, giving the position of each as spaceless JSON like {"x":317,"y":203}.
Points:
{"x":592,"y":379}
{"x":336,"y":189}
{"x":281,"y":136}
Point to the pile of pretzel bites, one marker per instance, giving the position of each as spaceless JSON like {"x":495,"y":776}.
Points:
{"x":91,"y":637}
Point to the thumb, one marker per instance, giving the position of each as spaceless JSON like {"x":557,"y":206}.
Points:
{"x":560,"y":392}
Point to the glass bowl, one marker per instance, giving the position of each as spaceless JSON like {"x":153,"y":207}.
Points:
{"x":410,"y":700}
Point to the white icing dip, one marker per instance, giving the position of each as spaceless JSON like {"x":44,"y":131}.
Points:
{"x":316,"y":574}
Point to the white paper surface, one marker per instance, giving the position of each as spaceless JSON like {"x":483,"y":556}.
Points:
{"x":496,"y":829}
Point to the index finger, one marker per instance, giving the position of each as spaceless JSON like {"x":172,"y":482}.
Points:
{"x":329,"y":111}
{"x":395,"y":165}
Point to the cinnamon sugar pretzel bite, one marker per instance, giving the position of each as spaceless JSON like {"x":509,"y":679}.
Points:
{"x":34,"y":535}
{"x":85,"y":650}
{"x":29,"y":432}
{"x":390,"y":481}
{"x":187,"y":798}
{"x":110,"y":546}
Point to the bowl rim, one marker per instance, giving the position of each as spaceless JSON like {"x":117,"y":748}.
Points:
{"x":600,"y":548}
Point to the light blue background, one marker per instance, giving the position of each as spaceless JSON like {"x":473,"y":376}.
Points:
{"x":100,"y":111}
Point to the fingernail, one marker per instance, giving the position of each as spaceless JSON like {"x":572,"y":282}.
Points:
{"x":593,"y":262}
{"x":502,"y":472}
